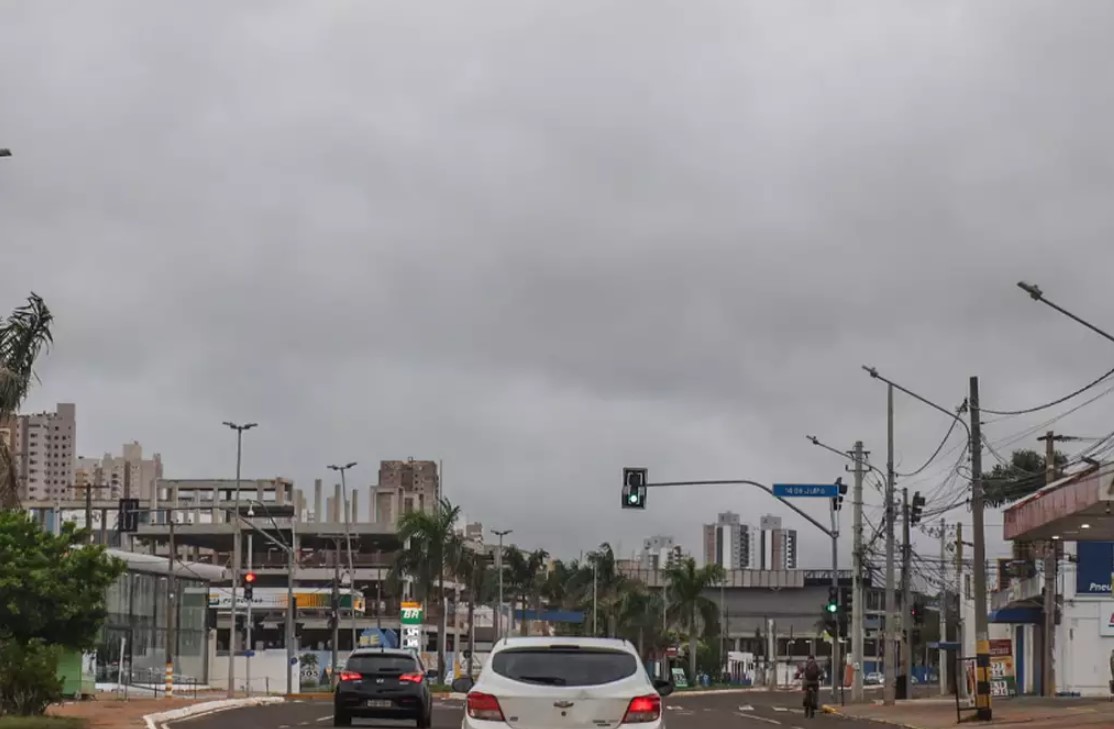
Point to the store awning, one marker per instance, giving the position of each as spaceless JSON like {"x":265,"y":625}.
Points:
{"x":1017,"y":616}
{"x":1074,"y":508}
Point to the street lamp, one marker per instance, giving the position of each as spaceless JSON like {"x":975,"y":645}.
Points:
{"x":348,"y":545}
{"x":236,"y":557}
{"x":499,"y":568}
{"x":1035,"y":292}
{"x":5,"y":152}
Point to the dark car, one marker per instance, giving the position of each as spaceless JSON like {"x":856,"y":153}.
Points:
{"x":383,"y":684}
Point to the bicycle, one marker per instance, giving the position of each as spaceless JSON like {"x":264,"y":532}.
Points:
{"x":811,"y":701}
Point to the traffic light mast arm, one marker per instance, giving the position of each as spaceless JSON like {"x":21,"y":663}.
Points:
{"x":832,"y":533}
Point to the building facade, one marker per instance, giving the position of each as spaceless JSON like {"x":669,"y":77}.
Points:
{"x":777,"y":545}
{"x":405,"y":486}
{"x":659,"y":552}
{"x":729,"y":543}
{"x":42,"y":447}
{"x":128,"y":475}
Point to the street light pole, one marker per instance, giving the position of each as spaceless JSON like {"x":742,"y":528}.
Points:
{"x":233,"y":636}
{"x":499,"y":568}
{"x":348,"y":540}
{"x":5,"y":152}
{"x":1035,"y":292}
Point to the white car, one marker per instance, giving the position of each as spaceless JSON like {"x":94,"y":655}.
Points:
{"x":571,"y":683}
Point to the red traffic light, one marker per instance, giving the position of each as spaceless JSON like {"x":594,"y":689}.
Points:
{"x":249,"y":577}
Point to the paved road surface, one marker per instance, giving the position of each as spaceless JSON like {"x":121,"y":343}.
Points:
{"x":754,"y":710}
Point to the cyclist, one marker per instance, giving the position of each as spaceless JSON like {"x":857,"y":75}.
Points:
{"x":810,"y":682}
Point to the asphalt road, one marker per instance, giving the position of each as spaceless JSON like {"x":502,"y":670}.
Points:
{"x":751,"y":710}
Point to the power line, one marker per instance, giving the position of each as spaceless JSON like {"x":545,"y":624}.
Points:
{"x":1054,"y":403}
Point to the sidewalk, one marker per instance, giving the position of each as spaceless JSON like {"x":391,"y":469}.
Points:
{"x":110,"y":711}
{"x":1031,"y":713}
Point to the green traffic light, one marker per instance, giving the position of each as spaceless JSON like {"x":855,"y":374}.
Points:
{"x":633,"y":498}
{"x":832,"y":607}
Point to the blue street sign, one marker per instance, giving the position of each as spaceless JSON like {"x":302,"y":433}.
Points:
{"x":806,"y":490}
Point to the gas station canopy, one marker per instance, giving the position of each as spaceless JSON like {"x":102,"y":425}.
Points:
{"x":1076,"y":508}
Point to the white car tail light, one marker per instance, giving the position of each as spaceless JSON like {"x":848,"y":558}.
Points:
{"x":484,"y":707}
{"x":643,"y":709}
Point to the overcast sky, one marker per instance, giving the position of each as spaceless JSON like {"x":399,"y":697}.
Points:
{"x":542,"y":241}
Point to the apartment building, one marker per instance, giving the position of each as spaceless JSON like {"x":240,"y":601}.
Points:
{"x":658,"y":552}
{"x":777,"y":549}
{"x":729,"y":543}
{"x":42,"y":447}
{"x":128,"y":475}
{"x":405,"y":486}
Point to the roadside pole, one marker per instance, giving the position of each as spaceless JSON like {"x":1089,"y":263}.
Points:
{"x":857,"y":612}
{"x":942,"y":658}
{"x":982,"y":628}
{"x":888,"y":653}
{"x":906,"y":597}
{"x":837,"y":667}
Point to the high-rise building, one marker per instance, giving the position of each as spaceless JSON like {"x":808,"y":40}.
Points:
{"x":129,"y":475}
{"x":777,"y":545}
{"x":728,"y":543}
{"x":42,"y":447}
{"x":658,"y":552}
{"x":405,"y":486}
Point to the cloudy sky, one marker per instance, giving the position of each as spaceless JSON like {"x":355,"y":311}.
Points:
{"x":542,"y":241}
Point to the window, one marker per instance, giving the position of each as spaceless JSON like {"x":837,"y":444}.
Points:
{"x":564,"y":666}
{"x":385,"y":663}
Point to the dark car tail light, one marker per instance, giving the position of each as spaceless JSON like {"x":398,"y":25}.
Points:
{"x":643,"y":709}
{"x":350,"y":676}
{"x":484,"y":707}
{"x":411,"y":678}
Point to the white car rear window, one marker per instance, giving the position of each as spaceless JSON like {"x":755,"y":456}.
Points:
{"x":564,"y":666}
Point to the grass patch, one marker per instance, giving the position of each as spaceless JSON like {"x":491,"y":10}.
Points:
{"x":41,"y":722}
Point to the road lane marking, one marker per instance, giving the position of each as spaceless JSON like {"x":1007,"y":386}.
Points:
{"x":324,"y":718}
{"x":756,"y":717}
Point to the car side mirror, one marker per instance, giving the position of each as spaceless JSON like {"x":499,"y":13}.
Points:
{"x":663,"y":687}
{"x":463,"y":685}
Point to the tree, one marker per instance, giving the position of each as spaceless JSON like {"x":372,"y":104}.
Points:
{"x":431,"y":547}
{"x":475,"y":571}
{"x":1023,"y":475}
{"x":23,"y":336}
{"x":687,"y":604}
{"x":52,"y":595}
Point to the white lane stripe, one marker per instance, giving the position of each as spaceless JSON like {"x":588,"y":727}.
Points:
{"x":759,"y":718}
{"x":324,"y":718}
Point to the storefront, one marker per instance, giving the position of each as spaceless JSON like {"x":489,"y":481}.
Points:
{"x":133,"y":642}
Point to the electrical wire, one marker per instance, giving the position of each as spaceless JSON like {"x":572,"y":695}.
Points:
{"x":935,"y":453}
{"x":1054,"y":403}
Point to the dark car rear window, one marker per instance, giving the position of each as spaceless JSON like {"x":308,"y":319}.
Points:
{"x":382,"y":663}
{"x":560,"y":666}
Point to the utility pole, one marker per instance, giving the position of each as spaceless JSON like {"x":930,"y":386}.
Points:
{"x":857,"y":612}
{"x":499,"y":568}
{"x":906,"y":597}
{"x":336,"y":608}
{"x":1048,"y":680}
{"x":982,"y":629}
{"x":942,"y":656}
{"x":247,"y":612}
{"x":291,"y":605}
{"x":889,"y":657}
{"x":595,"y":625}
{"x":960,"y":681}
{"x":171,"y":610}
{"x":233,"y":633}
{"x":348,"y":538}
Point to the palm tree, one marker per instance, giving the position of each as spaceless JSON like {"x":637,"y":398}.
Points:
{"x":687,"y":603}
{"x":23,"y":336}
{"x":475,"y":571}
{"x":431,"y":546}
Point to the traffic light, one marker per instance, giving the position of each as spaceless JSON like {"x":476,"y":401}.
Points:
{"x":916,"y":509}
{"x":127,"y":516}
{"x":634,"y":488}
{"x":833,"y":601}
{"x":837,"y":502}
{"x":249,"y":583}
{"x":917,"y":612}
{"x":846,"y":601}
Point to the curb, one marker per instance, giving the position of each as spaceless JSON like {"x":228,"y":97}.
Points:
{"x":159,"y":720}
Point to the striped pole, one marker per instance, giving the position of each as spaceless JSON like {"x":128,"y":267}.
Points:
{"x":169,"y":680}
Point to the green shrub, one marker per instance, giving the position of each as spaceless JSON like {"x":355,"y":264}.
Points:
{"x":41,"y":722}
{"x":28,"y":677}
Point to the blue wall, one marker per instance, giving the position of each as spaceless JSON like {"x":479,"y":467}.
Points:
{"x":1092,"y":571}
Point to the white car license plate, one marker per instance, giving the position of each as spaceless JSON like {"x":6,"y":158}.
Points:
{"x":378,"y":704}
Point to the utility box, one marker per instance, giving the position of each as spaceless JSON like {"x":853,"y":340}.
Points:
{"x":78,"y":672}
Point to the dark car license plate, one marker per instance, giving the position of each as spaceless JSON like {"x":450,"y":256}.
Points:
{"x":378,"y":704}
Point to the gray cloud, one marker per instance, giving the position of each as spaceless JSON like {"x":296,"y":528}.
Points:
{"x":541,"y":241}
